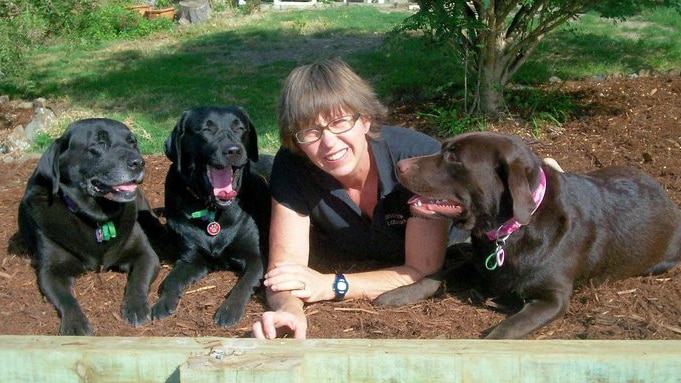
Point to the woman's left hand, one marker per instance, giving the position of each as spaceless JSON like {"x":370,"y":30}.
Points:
{"x":302,"y":281}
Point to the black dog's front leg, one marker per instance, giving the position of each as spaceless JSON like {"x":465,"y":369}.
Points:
{"x":234,"y":306}
{"x":182,"y":275}
{"x":142,"y":273}
{"x":536,"y":313}
{"x":56,"y":283}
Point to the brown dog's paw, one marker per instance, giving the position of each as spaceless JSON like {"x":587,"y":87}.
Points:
{"x":409,"y":294}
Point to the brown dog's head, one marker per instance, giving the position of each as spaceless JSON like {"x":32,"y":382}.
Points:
{"x":479,"y":180}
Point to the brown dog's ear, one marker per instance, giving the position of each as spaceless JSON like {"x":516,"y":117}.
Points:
{"x":519,"y":184}
{"x":172,"y":145}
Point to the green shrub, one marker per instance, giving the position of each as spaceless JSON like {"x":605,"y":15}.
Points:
{"x":113,"y":21}
{"x":452,"y":121}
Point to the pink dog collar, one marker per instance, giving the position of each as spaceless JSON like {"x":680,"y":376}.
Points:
{"x":504,"y":231}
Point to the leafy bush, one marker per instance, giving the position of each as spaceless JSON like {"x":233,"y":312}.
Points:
{"x":25,"y":24}
{"x":113,"y":21}
{"x":451,"y":121}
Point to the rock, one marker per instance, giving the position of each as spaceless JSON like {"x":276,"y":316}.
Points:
{"x":194,"y":11}
{"x":17,"y":140}
{"x":4,"y":99}
{"x":43,"y":119}
{"x":39,"y":103}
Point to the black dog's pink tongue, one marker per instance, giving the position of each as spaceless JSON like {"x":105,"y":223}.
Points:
{"x":221,"y":179}
{"x":127,"y":187}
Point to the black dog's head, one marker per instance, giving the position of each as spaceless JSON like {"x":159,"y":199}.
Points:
{"x":94,"y":158}
{"x":211,"y":148}
{"x":477,"y":179}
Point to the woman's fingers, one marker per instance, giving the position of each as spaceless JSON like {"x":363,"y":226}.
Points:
{"x":276,"y":324}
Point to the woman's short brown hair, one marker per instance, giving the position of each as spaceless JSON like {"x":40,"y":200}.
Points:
{"x":324,"y":88}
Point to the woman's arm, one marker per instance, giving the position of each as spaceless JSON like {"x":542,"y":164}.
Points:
{"x":289,"y":243}
{"x":425,"y":248}
{"x":424,"y":255}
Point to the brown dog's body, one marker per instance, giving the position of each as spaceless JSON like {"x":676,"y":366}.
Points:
{"x":609,"y":224}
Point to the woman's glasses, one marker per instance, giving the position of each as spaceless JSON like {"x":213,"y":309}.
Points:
{"x":337,"y":126}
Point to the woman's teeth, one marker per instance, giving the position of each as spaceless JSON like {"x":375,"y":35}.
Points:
{"x":336,"y":156}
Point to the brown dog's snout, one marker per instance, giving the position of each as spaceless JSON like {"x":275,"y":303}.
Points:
{"x":404,"y":166}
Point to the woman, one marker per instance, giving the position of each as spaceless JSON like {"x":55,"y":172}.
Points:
{"x":335,"y":177}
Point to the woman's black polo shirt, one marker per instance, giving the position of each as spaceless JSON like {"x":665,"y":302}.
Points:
{"x":301,"y":186}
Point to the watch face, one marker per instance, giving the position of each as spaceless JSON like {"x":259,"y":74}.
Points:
{"x":342,"y":286}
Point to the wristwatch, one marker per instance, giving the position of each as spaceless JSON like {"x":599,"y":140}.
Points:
{"x":340,"y":286}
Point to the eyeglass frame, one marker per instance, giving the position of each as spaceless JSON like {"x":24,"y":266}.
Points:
{"x":321,"y":129}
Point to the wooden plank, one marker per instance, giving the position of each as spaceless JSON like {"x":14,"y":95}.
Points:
{"x":96,"y":359}
{"x":157,"y":359}
{"x":413,"y":361}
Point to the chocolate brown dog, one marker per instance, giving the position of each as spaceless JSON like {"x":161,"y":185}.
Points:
{"x":537,"y":232}
{"x":81,"y":211}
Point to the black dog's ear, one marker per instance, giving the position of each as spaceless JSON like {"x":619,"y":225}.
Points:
{"x":174,"y":141}
{"x":252,"y":149}
{"x":48,"y":166}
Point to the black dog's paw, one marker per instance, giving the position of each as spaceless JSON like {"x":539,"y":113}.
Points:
{"x":136,"y":312}
{"x":229,"y":314}
{"x":74,"y":324}
{"x":409,"y":294}
{"x":164,"y":307}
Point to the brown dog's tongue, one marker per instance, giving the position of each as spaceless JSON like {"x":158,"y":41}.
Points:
{"x":221,"y":179}
{"x":431,"y":206}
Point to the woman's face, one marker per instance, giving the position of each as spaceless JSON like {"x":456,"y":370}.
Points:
{"x":341,"y":155}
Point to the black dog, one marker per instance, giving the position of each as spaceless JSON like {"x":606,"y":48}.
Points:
{"x":538,"y":232}
{"x":217,"y":207}
{"x":79,"y":213}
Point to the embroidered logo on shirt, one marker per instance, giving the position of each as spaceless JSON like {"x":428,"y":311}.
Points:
{"x":395,"y":219}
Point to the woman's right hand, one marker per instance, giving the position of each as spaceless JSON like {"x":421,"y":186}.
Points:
{"x":277,"y":324}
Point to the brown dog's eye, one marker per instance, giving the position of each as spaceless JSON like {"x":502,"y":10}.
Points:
{"x":450,"y":156}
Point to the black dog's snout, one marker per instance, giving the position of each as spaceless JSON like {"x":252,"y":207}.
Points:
{"x":135,"y":163}
{"x":233,"y":151}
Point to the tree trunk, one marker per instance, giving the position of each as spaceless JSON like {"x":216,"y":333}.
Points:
{"x":490,"y":71}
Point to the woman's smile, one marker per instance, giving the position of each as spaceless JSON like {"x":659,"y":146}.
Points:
{"x":336,"y":156}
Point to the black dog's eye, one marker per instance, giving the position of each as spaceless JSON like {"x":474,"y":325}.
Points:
{"x":100,"y":143}
{"x":132,"y":140}
{"x":210,"y":126}
{"x":238,"y":126}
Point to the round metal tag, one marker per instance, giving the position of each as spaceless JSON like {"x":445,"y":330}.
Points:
{"x":213,"y":228}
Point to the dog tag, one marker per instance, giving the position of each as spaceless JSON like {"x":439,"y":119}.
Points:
{"x":99,"y":236}
{"x":213,"y":228}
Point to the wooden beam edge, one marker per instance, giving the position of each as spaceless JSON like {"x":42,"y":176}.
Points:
{"x":175,"y":359}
